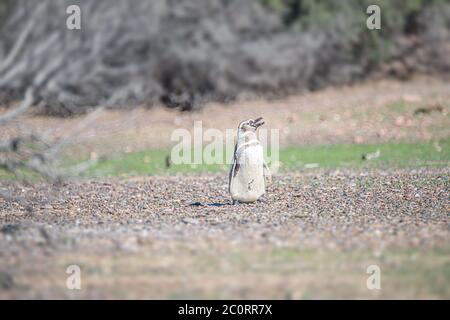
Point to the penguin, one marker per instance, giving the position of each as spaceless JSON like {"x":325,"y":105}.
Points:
{"x":248,"y":172}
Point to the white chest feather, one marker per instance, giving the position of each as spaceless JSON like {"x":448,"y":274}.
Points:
{"x":247,"y":182}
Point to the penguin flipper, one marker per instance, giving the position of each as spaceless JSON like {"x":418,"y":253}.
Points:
{"x":267,"y":173}
{"x":234,"y":169}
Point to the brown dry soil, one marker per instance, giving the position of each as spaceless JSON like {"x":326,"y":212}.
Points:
{"x":372,"y":112}
{"x":313,"y":235}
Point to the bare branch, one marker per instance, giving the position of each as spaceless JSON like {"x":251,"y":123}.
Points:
{"x":21,"y":40}
{"x":39,"y":156}
{"x":23,"y":107}
{"x":78,"y":169}
{"x":68,"y":138}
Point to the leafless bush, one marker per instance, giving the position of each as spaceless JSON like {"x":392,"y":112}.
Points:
{"x":176,"y":52}
{"x":26,"y":152}
{"x":31,"y":152}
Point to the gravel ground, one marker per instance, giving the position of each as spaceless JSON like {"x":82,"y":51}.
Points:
{"x":187,"y":221}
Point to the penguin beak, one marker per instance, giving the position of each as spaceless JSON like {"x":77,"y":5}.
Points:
{"x":258,"y":122}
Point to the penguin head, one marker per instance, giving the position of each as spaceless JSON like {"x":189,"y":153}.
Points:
{"x":250,"y":124}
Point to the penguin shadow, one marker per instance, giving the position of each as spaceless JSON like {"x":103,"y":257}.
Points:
{"x":225,"y":203}
{"x":211,"y":204}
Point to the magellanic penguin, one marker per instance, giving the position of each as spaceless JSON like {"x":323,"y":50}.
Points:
{"x":249,"y":172}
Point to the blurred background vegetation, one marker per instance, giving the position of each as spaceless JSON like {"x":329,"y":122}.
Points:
{"x":399,"y":17}
{"x":183,"y":53}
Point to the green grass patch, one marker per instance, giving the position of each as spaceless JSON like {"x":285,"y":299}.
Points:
{"x":397,"y":155}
